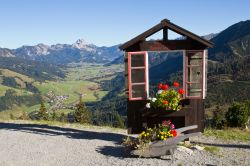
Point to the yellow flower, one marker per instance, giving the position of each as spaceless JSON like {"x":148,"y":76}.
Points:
{"x":162,"y":137}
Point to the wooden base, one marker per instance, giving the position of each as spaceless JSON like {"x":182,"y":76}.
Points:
{"x":139,"y":117}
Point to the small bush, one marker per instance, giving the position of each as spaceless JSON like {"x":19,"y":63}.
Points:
{"x":237,"y":115}
{"x":53,"y":115}
{"x":24,"y":116}
{"x":219,"y":120}
{"x":12,"y":117}
{"x":63,"y":117}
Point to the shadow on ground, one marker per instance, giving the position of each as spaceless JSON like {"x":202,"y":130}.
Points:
{"x":115,"y":151}
{"x":61,"y":131}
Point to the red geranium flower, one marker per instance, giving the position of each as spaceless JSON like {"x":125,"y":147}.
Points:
{"x":174,"y":132}
{"x":165,"y":87}
{"x":181,"y":91}
{"x":159,"y":86}
{"x":176,"y":84}
{"x":165,"y":102}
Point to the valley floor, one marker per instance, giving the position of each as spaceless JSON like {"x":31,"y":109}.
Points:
{"x":38,"y":144}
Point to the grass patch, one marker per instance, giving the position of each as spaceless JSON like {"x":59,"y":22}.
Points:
{"x":212,"y":149}
{"x":93,"y":71}
{"x":19,"y":92}
{"x":229,"y":134}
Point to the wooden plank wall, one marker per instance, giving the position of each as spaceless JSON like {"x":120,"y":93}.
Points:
{"x":191,"y":114}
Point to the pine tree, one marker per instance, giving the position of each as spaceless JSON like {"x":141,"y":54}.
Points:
{"x":82,"y":115}
{"x":118,"y":121}
{"x":43,"y":114}
{"x":54,"y":116}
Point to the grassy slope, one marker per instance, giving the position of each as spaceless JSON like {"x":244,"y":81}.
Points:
{"x":84,"y":79}
{"x":10,"y":73}
{"x":20,"y":79}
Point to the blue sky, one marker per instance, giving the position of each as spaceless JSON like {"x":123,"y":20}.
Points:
{"x":109,"y":22}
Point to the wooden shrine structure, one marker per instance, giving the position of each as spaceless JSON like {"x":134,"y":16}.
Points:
{"x":194,"y":50}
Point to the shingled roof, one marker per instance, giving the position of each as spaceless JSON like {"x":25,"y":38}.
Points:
{"x":165,"y":24}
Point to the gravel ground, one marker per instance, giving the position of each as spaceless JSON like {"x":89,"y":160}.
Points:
{"x":32,"y":144}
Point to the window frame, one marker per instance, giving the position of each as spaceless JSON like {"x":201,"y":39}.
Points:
{"x":146,"y":78}
{"x":185,"y":74}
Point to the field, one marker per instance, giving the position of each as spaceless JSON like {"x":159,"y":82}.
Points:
{"x":81,"y":79}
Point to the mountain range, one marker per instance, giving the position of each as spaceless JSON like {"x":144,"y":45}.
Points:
{"x":80,"y":51}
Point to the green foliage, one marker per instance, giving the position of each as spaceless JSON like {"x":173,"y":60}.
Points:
{"x":212,"y":149}
{"x":229,"y":134}
{"x":12,"y":117}
{"x":11,"y":99}
{"x":42,"y":113}
{"x":237,"y":115}
{"x":54,"y":115}
{"x":63,"y":117}
{"x":172,"y":97}
{"x":82,"y":115}
{"x":9,"y":81}
{"x":219,"y":120}
{"x":118,"y":121}
{"x":168,"y":99}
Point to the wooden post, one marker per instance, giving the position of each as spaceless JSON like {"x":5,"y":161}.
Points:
{"x":165,"y":34}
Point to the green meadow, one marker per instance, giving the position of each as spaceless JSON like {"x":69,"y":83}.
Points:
{"x":81,"y":79}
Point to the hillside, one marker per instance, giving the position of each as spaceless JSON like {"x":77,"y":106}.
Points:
{"x":38,"y":70}
{"x":229,"y":65}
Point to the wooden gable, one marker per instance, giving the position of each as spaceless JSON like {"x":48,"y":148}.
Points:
{"x":192,"y":41}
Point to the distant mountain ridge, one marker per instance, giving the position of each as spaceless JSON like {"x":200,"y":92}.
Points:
{"x":232,"y":42}
{"x":80,"y":51}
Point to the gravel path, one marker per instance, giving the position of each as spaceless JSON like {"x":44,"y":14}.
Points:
{"x":32,"y":144}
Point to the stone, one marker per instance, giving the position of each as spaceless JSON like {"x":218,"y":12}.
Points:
{"x":184,"y":150}
{"x":197,"y":147}
{"x":187,"y":143}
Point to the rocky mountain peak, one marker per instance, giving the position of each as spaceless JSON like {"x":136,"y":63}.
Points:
{"x":82,"y":44}
{"x":5,"y":52}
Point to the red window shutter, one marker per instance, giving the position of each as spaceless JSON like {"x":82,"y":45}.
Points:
{"x":194,"y":74}
{"x":138,"y":75}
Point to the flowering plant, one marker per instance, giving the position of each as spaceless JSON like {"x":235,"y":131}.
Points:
{"x":162,"y":132}
{"x":167,"y":98}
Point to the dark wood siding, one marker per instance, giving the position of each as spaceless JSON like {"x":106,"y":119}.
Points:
{"x":139,"y":117}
